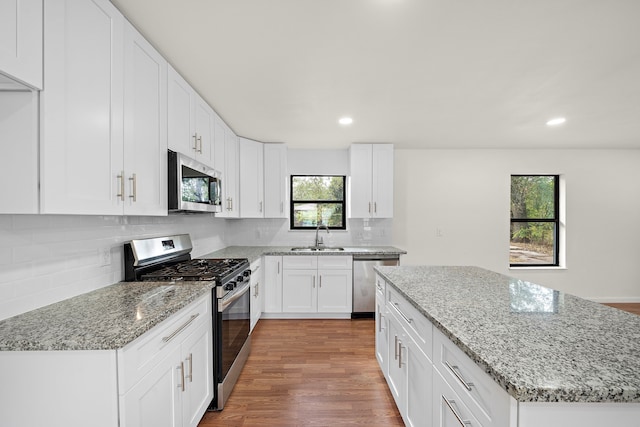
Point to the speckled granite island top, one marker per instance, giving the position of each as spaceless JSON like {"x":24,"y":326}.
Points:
{"x":105,"y":319}
{"x":540,"y":345}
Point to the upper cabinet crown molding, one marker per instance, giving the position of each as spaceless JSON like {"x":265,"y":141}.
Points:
{"x":371,"y":181}
{"x":21,"y":28}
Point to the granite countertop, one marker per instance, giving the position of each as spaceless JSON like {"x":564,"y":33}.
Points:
{"x":540,"y":345}
{"x":254,"y":252}
{"x":105,"y":319}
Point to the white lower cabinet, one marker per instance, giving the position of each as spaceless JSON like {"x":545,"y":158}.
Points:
{"x":317,"y":284}
{"x":173,"y":367}
{"x":257,"y":292}
{"x":272,"y":284}
{"x":382,"y":328}
{"x":449,"y":409}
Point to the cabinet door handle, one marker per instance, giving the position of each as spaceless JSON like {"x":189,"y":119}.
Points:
{"x":173,"y":334}
{"x":181,"y":369}
{"x":450,"y":403}
{"x":375,"y":207}
{"x":320,"y":282}
{"x":190,"y":374}
{"x":260,"y":206}
{"x":195,"y":142}
{"x":395,"y":347}
{"x":134,"y":191}
{"x":454,"y":371}
{"x":369,"y":207}
{"x":399,"y":354}
{"x":314,"y":282}
{"x":121,"y":181}
{"x":380,"y":318}
{"x":278,"y":267}
{"x":200,"y":141}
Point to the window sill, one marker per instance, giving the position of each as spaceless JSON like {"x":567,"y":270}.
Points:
{"x":543,"y":267}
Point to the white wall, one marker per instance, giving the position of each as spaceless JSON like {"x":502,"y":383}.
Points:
{"x":47,"y":258}
{"x":465,"y":193}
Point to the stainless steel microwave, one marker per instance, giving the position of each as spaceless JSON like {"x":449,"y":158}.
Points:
{"x":193,"y":186}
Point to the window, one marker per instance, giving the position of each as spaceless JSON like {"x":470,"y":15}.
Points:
{"x":317,"y":200}
{"x":535,"y":223}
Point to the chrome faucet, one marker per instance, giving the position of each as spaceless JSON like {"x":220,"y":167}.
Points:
{"x":319,"y":239}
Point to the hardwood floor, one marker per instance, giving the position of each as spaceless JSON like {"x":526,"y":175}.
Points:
{"x":310,"y":373}
{"x":626,"y":306}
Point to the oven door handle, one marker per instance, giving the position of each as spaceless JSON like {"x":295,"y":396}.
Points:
{"x":224,"y":303}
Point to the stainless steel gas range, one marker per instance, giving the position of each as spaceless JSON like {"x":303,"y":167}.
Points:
{"x":169,"y":259}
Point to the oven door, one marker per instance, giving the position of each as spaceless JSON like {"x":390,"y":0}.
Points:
{"x":231,"y":342}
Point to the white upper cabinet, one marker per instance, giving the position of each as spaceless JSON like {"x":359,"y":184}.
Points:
{"x":103,"y":135}
{"x":19,"y":141}
{"x":145,"y":131}
{"x":251,"y":179}
{"x":371,"y":185}
{"x":231,"y":183}
{"x":190,"y":120}
{"x":82,"y":109}
{"x":21,"y":41}
{"x":275,"y":181}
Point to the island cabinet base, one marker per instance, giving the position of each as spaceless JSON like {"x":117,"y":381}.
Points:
{"x":561,"y":414}
{"x":434,"y":383}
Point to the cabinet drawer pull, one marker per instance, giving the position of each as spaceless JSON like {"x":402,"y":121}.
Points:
{"x":380,"y":320}
{"x":399,"y":354}
{"x":401,"y":313}
{"x":454,"y":371}
{"x":395,"y":345}
{"x":369,"y":207}
{"x":180,"y":329}
{"x":195,"y":142}
{"x":455,"y":413}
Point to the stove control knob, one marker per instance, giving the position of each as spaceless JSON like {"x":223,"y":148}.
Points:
{"x":246,"y":273}
{"x":240,"y":278}
{"x":229,"y":286}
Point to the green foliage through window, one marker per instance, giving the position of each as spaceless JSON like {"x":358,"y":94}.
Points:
{"x":534,"y":220}
{"x":317,"y":199}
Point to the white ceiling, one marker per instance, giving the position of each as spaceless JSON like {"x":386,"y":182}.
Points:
{"x":418,"y":73}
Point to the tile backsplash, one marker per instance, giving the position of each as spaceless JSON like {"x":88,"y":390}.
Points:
{"x":48,"y":258}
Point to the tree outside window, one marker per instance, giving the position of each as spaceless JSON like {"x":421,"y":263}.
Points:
{"x":317,"y":199}
{"x":535,"y":224}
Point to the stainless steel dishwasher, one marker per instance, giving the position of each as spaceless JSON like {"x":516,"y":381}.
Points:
{"x":364,"y":282}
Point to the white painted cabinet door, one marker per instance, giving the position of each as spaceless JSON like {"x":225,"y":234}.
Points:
{"x":181,"y":111}
{"x":231,"y":185}
{"x":360,"y":156}
{"x":19,"y":141}
{"x":272,"y":284}
{"x":197,"y":357}
{"x":275,"y":181}
{"x":334,"y":291}
{"x":251,"y":179}
{"x":218,"y":136}
{"x":82,"y":117}
{"x":382,"y":333}
{"x":155,"y":400}
{"x":419,"y":380}
{"x":382,"y":180}
{"x":397,"y":376}
{"x":21,"y":41}
{"x":299,"y":293}
{"x":145,"y":130}
{"x":204,"y":128}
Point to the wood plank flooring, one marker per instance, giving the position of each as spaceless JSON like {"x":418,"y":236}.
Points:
{"x":310,"y":373}
{"x":314,"y":373}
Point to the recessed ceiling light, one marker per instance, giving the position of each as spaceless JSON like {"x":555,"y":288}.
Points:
{"x":345,"y":121}
{"x":557,"y":121}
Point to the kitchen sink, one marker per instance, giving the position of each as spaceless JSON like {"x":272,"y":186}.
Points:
{"x":316,"y":248}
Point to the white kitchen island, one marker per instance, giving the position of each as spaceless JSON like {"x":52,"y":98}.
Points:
{"x":467,"y":346}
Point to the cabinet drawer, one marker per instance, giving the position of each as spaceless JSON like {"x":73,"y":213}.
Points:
{"x":381,"y":287}
{"x":292,"y":262}
{"x":481,"y":394}
{"x":448,"y":408}
{"x":139,"y":357}
{"x":340,"y":262}
{"x":414,"y":322}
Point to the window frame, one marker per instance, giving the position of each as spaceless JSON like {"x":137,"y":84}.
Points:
{"x":555,"y":220}
{"x":292,"y":202}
